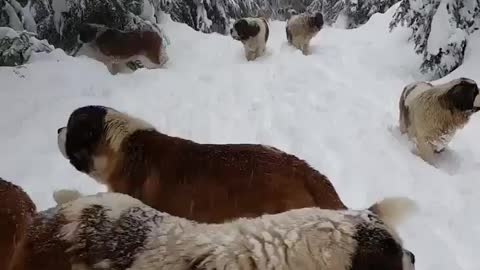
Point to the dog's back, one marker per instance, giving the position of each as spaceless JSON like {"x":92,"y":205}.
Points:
{"x":16,"y":212}
{"x":409,"y":93}
{"x":267,"y":30}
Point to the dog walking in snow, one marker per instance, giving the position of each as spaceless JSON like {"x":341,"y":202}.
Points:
{"x":115,"y":48}
{"x":301,"y":28}
{"x":253,"y":33}
{"x":432,"y":114}
{"x":116,"y":231}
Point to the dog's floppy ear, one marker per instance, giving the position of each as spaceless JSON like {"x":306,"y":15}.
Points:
{"x":319,"y":19}
{"x":463,"y":94}
{"x":253,"y":30}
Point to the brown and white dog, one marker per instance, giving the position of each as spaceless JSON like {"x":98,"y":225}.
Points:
{"x":202,"y":182}
{"x":301,"y":28}
{"x":116,"y":231}
{"x":253,"y":33}
{"x":115,"y":48}
{"x":16,"y":212}
{"x":431,"y":114}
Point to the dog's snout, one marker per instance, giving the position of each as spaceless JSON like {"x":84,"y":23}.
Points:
{"x":411,"y":255}
{"x":60,"y":130}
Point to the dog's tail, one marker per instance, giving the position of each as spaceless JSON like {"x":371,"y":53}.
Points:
{"x":66,"y":195}
{"x":394,"y":210}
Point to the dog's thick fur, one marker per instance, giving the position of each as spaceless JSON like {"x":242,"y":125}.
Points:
{"x":202,"y":182}
{"x":16,"y":213}
{"x":253,"y":33}
{"x":115,"y":48}
{"x":431,"y":115}
{"x":116,"y":231}
{"x":301,"y":28}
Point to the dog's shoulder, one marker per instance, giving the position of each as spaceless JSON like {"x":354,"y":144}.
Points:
{"x":413,"y":90}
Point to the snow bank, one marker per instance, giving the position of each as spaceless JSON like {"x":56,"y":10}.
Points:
{"x":336,"y":108}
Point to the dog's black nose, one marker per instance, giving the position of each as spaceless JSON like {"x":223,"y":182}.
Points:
{"x":411,"y":255}
{"x":59,"y":130}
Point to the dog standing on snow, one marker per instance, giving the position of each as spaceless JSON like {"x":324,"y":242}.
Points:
{"x":302,"y":28}
{"x":115,"y":48}
{"x":116,"y":231}
{"x":431,"y":115}
{"x":216,"y":182}
{"x":253,"y":33}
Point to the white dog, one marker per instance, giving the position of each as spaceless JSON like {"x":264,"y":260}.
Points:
{"x":302,"y":28}
{"x":253,"y":33}
{"x":431,"y":115}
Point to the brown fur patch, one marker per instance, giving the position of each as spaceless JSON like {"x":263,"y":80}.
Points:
{"x":41,"y":249}
{"x":214,"y":183}
{"x":16,"y":212}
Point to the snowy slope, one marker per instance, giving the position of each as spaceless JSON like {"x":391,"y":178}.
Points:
{"x":337,"y":109}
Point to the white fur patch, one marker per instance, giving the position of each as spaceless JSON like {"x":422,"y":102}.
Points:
{"x":61,"y":141}
{"x":99,"y":168}
{"x":419,"y":87}
{"x":406,"y":262}
{"x":120,"y":125}
{"x":476,"y":102}
{"x":116,"y":201}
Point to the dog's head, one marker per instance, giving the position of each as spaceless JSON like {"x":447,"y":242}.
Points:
{"x":463,"y":95}
{"x":316,"y":20}
{"x":378,"y":244}
{"x":379,"y":247}
{"x":94,"y":135}
{"x":244,"y":29}
{"x":87,"y":33}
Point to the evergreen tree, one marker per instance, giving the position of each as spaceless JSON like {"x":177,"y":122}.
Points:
{"x":16,"y":46}
{"x":440,"y":31}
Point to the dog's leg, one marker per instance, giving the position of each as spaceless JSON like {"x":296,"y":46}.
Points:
{"x":250,"y":53}
{"x":425,"y":150}
{"x":402,"y":124}
{"x":114,"y":68}
{"x":306,"y":47}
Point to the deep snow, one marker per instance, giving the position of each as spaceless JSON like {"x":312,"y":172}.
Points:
{"x":337,"y":108}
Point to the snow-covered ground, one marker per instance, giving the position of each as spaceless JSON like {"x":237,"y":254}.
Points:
{"x":337,"y":108}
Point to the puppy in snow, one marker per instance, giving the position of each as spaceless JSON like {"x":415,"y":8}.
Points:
{"x":16,"y":213}
{"x":115,"y":48}
{"x":431,"y":114}
{"x":253,"y":33}
{"x":116,"y":231}
{"x":302,"y":28}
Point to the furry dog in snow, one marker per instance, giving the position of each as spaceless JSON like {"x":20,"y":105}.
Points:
{"x":116,"y":48}
{"x":253,"y":33}
{"x":16,"y":213}
{"x":116,"y":231}
{"x":216,"y":182}
{"x":431,"y":114}
{"x":301,"y":28}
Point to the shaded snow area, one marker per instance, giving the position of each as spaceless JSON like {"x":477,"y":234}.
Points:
{"x":337,"y":108}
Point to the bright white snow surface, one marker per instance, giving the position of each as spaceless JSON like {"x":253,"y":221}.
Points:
{"x":337,"y":108}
